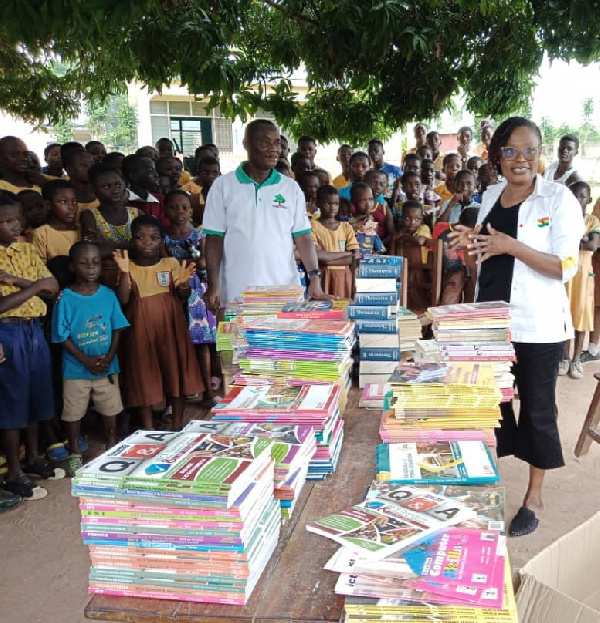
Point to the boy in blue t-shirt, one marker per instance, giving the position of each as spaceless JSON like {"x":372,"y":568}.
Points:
{"x":87,"y":321}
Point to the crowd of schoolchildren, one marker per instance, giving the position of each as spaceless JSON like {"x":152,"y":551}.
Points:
{"x":102,"y":274}
{"x":102,"y":277}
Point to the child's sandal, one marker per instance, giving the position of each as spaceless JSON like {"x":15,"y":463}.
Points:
{"x":83,"y":445}
{"x":41,"y":469}
{"x":57,"y":452}
{"x":24,"y":488}
{"x":8,"y":500}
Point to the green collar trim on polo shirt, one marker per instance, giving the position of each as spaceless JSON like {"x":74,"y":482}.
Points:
{"x":244,"y":178}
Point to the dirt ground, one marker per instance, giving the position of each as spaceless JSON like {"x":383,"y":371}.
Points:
{"x":45,"y":564}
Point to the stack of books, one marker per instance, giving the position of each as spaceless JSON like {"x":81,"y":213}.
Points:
{"x":428,"y":553}
{"x":317,"y":406}
{"x":477,"y":332}
{"x":266,"y":300}
{"x":375,"y":313}
{"x":292,"y":450}
{"x":315,"y":310}
{"x":373,"y":396}
{"x":182,"y":516}
{"x":409,"y":329}
{"x":301,"y":350}
{"x":434,"y":402}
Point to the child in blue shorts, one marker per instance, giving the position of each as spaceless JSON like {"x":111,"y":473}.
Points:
{"x":25,"y":372}
{"x":87,"y":321}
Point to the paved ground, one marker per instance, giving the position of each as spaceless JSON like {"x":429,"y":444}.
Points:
{"x":45,"y":565}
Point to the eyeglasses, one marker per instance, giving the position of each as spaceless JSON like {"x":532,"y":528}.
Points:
{"x":511,"y":153}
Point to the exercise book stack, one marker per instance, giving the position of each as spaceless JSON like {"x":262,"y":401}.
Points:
{"x":268,"y":300}
{"x":439,"y":402}
{"x":477,"y":332}
{"x":427,"y":553}
{"x":316,"y":406}
{"x":375,"y":312}
{"x":184,"y":516}
{"x":292,"y":450}
{"x":296,"y":351}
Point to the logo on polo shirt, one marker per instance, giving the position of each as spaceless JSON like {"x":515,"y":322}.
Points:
{"x":543,"y":222}
{"x":279,"y":201}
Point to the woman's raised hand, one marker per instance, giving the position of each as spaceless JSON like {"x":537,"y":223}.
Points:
{"x":461,"y":236}
{"x":495,"y":243}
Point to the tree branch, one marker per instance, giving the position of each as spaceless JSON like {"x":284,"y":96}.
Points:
{"x":297,"y":16}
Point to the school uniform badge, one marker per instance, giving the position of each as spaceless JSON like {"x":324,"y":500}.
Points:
{"x":279,"y":201}
{"x":163,"y":277}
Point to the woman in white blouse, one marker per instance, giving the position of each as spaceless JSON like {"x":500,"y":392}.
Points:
{"x":527,"y":243}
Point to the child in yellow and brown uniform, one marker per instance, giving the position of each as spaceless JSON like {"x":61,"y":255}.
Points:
{"x":336,"y":244}
{"x":414,"y":233}
{"x":25,"y":374}
{"x":581,"y":288}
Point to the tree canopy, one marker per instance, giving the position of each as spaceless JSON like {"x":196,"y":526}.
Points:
{"x":371,"y":65}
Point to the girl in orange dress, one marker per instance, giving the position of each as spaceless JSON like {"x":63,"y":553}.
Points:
{"x":157,"y":354}
{"x":336,"y":244}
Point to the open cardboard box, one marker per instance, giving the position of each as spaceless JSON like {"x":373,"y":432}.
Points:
{"x":562,"y":583}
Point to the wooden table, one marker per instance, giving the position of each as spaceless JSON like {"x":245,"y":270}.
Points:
{"x":294,"y":587}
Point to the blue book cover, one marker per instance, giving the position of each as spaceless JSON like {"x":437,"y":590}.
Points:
{"x":376,"y":298}
{"x":385,"y":260}
{"x":379,"y":271}
{"x":369,"y":312}
{"x":379,"y":354}
{"x":441,"y":462}
{"x":377,"y":326}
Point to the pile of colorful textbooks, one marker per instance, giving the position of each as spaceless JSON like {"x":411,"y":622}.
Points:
{"x":315,"y":310}
{"x":373,"y":396}
{"x":317,"y":406}
{"x":185,"y":516}
{"x":433,"y":402}
{"x":311,"y":350}
{"x":292,"y":450}
{"x":433,"y":553}
{"x":267,"y":300}
{"x":375,"y":312}
{"x":477,"y":332}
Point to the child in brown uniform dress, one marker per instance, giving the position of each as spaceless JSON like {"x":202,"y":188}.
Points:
{"x":158,"y":357}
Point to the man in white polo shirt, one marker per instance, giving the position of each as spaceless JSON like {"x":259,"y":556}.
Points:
{"x":252,"y":219}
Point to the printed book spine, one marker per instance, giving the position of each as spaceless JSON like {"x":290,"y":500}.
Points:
{"x":385,"y":260}
{"x":377,"y":298}
{"x":331,"y":314}
{"x":377,"y":326}
{"x":381,"y":271}
{"x":369,"y":312}
{"x":379,"y":354}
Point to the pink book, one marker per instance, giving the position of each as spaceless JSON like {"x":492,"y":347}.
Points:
{"x":457,"y":556}
{"x":490,"y":597}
